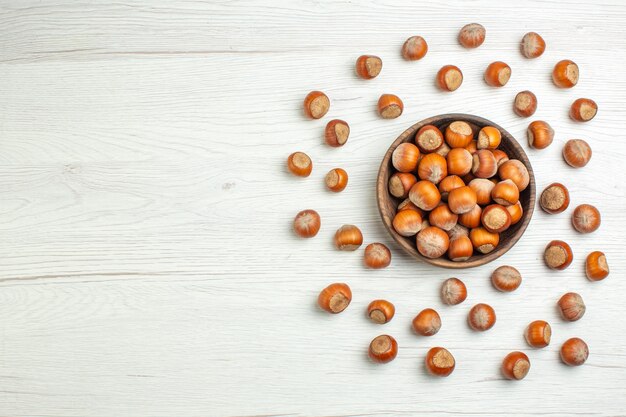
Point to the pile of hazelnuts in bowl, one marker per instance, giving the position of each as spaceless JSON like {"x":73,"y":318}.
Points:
{"x":456,"y":191}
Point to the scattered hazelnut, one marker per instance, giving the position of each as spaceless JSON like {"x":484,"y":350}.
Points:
{"x":532,"y":45}
{"x":525,"y":104}
{"x":481,"y":317}
{"x":427,"y":322}
{"x":432,"y":242}
{"x":459,"y":134}
{"x":554,"y":199}
{"x":429,"y":138}
{"x":586,"y":218}
{"x":471,"y":219}
{"x":506,"y":278}
{"x":483,"y":240}
{"x":540,"y":134}
{"x":515,"y":171}
{"x":336,"y":180}
{"x":571,"y":306}
{"x":405,"y":157}
{"x":538,"y":334}
{"x":383,"y":349}
{"x":459,"y":161}
{"x":425,"y":195}
{"x":448,"y":184}
{"x":495,"y":218}
{"x":516,"y":211}
{"x":299,"y":164}
{"x":558,"y":255}
{"x":462,"y":200}
{"x":453,"y":291}
{"x":461,"y":249}
{"x":472,"y":35}
{"x":497,"y":74}
{"x":515,"y":366}
{"x":407,"y":222}
{"x":381,"y":311}
{"x":335,"y":298}
{"x":377,"y":256}
{"x":368,"y":66}
{"x":348,"y":237}
{"x":414,"y":48}
{"x":484,"y":164}
{"x":432,"y":167}
{"x":565,"y":74}
{"x":583,"y":110}
{"x":316,"y":104}
{"x":449,"y":78}
{"x":439,"y":362}
{"x":336,"y":133}
{"x":400,"y":184}
{"x":574,"y":352}
{"x":596,"y":266}
{"x":307,"y":223}
{"x":505,"y":193}
{"x":489,"y":137}
{"x":576,"y":153}
{"x":390,"y":106}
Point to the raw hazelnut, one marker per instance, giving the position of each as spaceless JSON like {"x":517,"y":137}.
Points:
{"x":348,"y":238}
{"x":586,"y":218}
{"x":427,"y":322}
{"x":429,"y":138}
{"x":554,"y":199}
{"x":565,"y":74}
{"x":299,"y":164}
{"x":481,"y":317}
{"x":571,"y":306}
{"x":471,"y":219}
{"x":439,"y":362}
{"x":596,"y":266}
{"x":576,"y":153}
{"x":484,"y":164}
{"x":495,"y":218}
{"x":497,"y":74}
{"x":307,"y":223}
{"x":472,"y":35}
{"x":461,"y":249}
{"x":453,"y":291}
{"x":505,"y":193}
{"x":459,"y":161}
{"x":515,"y":366}
{"x":516,"y":211}
{"x":501,"y":156}
{"x":405,"y":157}
{"x":448,"y":184}
{"x":407,"y":222}
{"x":449,"y":78}
{"x":336,"y":133}
{"x":414,"y":48}
{"x":538,"y":334}
{"x":377,"y":256}
{"x":540,"y":134}
{"x":336,"y":180}
{"x":574,"y":352}
{"x":532,"y":45}
{"x":442,"y":217}
{"x":400,"y":184}
{"x":368,"y":66}
{"x":390,"y":106}
{"x":383,"y":349}
{"x":432,"y":167}
{"x":482,"y":187}
{"x":515,"y":171}
{"x":506,"y":278}
{"x":316,"y":104}
{"x":432,"y":242}
{"x":583,"y":110}
{"x":489,"y":137}
{"x":525,"y":104}
{"x":335,"y":298}
{"x":381,"y":311}
{"x":459,"y":134}
{"x":462,"y":200}
{"x":483,"y":240}
{"x":425,"y":195}
{"x":558,"y":255}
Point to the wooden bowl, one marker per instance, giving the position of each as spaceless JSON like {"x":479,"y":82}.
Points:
{"x":387,"y":204}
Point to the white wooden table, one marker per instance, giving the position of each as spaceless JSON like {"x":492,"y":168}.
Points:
{"x":147,"y":266}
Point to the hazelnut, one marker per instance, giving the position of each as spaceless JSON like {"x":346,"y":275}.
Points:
{"x":495,"y":218}
{"x":425,"y":195}
{"x":461,"y":249}
{"x":442,"y":217}
{"x":449,"y":78}
{"x":472,"y":35}
{"x":540,"y":134}
{"x":482,"y":187}
{"x":489,"y":137}
{"x":448,"y":184}
{"x":558,"y":255}
{"x":390,"y":106}
{"x":336,"y":133}
{"x":348,"y":238}
{"x":427,"y":322}
{"x":336,"y":180}
{"x":459,"y":134}
{"x":554,"y":199}
{"x":432,"y":167}
{"x":583,"y":110}
{"x":525,"y":104}
{"x":307,"y":223}
{"x":461,"y":200}
{"x":299,"y":164}
{"x":483,"y":240}
{"x":377,"y":256}
{"x":482,"y":317}
{"x":459,"y":161}
{"x":316,"y":104}
{"x":432,"y":242}
{"x":516,"y":211}
{"x":484,"y":164}
{"x":471,"y":219}
{"x":596,"y":266}
{"x":532,"y":45}
{"x":515,"y":171}
{"x":506,"y":278}
{"x":497,"y":74}
{"x":383,"y":349}
{"x":414,"y":48}
{"x":429,"y":138}
{"x":439,"y":362}
{"x":571,"y":306}
{"x":453,"y":291}
{"x":574,"y":352}
{"x":565,"y":74}
{"x":381,"y":311}
{"x":576,"y":153}
{"x":515,"y":366}
{"x":407,"y":222}
{"x":400,"y":184}
{"x":538,"y":334}
{"x":501,"y":156}
{"x":368,"y":66}
{"x":335,"y":298}
{"x":405,"y":157}
{"x":505,"y":193}
{"x":586,"y":218}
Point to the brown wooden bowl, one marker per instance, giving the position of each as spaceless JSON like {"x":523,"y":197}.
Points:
{"x":387,"y":204}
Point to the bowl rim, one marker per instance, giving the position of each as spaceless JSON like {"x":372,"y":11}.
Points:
{"x":382,"y":193}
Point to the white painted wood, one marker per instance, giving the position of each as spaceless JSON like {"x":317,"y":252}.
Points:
{"x":147,"y":267}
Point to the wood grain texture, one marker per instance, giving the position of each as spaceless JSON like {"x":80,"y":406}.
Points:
{"x":147,"y":266}
{"x":388,"y":204}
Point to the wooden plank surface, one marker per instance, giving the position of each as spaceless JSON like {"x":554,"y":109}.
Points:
{"x":147,"y":267}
